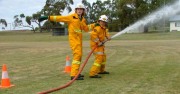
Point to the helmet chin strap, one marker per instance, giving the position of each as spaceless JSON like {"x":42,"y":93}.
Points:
{"x":80,"y":17}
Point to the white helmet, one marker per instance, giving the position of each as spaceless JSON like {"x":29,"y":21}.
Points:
{"x":103,"y":18}
{"x":80,"y":5}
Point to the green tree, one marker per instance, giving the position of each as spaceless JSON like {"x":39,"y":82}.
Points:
{"x":96,"y":9}
{"x":28,"y":20}
{"x":155,"y":4}
{"x":102,"y":8}
{"x":3,"y":22}
{"x":125,"y":12}
{"x":34,"y":18}
{"x":88,"y":10}
{"x":18,"y":20}
{"x":22,"y":16}
{"x":52,"y":7}
{"x":55,"y":7}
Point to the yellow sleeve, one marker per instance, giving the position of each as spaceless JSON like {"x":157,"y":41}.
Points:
{"x":85,"y":26}
{"x":91,"y":26}
{"x":94,"y":35}
{"x":107,"y":33}
{"x":65,"y":19}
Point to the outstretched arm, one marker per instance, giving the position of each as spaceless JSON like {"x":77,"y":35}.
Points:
{"x":66,"y":19}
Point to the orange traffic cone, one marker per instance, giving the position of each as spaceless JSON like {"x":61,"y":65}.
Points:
{"x":67,"y":68}
{"x":5,"y":82}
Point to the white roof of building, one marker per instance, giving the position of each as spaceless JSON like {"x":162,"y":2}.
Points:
{"x":174,"y":18}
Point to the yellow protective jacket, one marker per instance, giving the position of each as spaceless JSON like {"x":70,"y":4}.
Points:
{"x":98,"y":34}
{"x":75,"y":28}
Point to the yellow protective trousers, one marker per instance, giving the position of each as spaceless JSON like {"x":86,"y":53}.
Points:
{"x":75,"y":67}
{"x":76,"y":46}
{"x":100,"y":61}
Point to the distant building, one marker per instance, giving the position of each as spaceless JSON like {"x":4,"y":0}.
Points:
{"x":174,"y":23}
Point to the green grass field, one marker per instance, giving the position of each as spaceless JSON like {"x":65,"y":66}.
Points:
{"x":138,"y":64}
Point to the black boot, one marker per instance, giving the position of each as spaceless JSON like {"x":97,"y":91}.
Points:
{"x":80,"y":75}
{"x":78,"y":78}
{"x":105,"y":72}
{"x":95,"y":76}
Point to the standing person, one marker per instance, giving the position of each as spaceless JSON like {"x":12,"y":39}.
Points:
{"x":99,"y":34}
{"x":76,"y":25}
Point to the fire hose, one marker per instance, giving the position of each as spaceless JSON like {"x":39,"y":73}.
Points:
{"x":70,"y":82}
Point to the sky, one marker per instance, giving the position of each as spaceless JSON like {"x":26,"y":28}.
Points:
{"x":10,"y":8}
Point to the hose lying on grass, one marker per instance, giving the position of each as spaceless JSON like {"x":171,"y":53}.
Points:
{"x":70,"y":82}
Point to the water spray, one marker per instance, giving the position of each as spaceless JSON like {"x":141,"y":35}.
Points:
{"x":154,"y":17}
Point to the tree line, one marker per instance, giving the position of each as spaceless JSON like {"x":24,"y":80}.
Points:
{"x":121,"y":13}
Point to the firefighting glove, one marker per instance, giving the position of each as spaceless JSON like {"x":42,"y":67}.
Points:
{"x":42,"y":18}
{"x":100,"y":44}
{"x":109,"y":39}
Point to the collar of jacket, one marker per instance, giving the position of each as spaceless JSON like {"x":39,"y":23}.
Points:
{"x":97,"y":24}
{"x":76,"y":15}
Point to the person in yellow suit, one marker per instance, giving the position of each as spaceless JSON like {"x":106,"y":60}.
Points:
{"x":99,"y":35}
{"x":76,"y":25}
